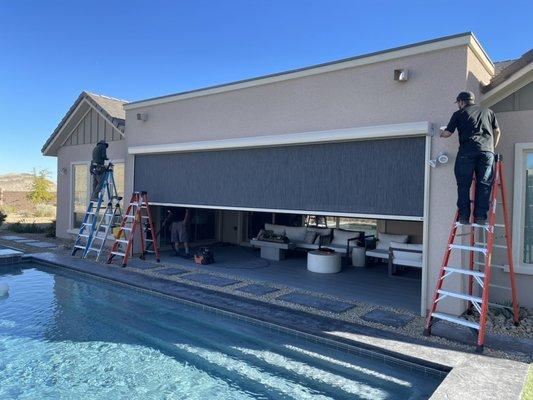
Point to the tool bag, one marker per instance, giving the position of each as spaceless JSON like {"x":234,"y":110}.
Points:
{"x":204,"y":256}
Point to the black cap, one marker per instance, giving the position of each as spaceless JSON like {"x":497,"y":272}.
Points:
{"x":466,"y":96}
{"x":103,"y":142}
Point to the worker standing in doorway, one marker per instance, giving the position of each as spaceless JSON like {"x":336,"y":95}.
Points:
{"x":97,"y":168}
{"x":179,"y":230}
{"x":479,"y":134}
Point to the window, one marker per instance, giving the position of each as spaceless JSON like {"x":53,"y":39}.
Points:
{"x":523,"y":206}
{"x":82,"y":187}
{"x":80,"y":192}
{"x":527,"y":249}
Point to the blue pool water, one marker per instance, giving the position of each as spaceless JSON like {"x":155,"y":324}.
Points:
{"x":67,"y":336}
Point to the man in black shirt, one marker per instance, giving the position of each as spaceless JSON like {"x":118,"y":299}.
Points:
{"x":97,"y":168}
{"x":479,"y":133}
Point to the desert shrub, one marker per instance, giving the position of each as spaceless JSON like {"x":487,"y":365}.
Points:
{"x":24,"y":227}
{"x":40,"y":188}
{"x":3,"y":217}
{"x":45,"y":210}
{"x":51,"y":229}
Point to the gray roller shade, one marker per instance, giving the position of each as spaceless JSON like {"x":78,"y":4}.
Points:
{"x":383,"y":177}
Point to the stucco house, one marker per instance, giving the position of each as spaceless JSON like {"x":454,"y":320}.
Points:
{"x":348,"y":140}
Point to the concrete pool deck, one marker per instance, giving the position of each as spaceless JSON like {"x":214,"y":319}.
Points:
{"x":471,"y":376}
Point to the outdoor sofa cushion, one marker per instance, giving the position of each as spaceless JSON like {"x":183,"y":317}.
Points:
{"x":385,"y":239}
{"x":340,"y":237}
{"x":277,"y":229}
{"x":310,"y":237}
{"x":400,"y":256}
{"x":296,"y":233}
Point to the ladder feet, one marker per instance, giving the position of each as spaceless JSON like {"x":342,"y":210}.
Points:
{"x":124,"y":265}
{"x":479,"y":348}
{"x":142,"y":257}
{"x":516,"y":323}
{"x":427,"y":332}
{"x":158,"y":260}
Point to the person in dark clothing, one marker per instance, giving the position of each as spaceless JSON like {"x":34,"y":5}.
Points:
{"x":178,"y":220}
{"x":97,"y":168}
{"x":479,"y":134}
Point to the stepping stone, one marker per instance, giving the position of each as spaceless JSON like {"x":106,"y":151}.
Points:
{"x":25,"y":240}
{"x":387,"y":318}
{"x":140,"y":265}
{"x":336,"y":306}
{"x":43,"y":245}
{"x":172,"y":271}
{"x":258,"y":290}
{"x":211,"y":279}
{"x":12,"y":237}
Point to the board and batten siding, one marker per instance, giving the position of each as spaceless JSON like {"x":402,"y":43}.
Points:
{"x":91,"y":129}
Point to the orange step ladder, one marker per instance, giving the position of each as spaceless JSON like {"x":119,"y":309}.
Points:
{"x":479,"y":272}
{"x":136,"y":220}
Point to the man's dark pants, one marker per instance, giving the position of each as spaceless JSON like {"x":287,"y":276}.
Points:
{"x":466,"y":165}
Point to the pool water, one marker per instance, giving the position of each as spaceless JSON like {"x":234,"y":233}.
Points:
{"x":68,"y":336}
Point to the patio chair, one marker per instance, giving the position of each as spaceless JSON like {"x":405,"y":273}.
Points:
{"x":405,"y":255}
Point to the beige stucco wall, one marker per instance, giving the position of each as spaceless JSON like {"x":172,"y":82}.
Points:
{"x":75,"y":154}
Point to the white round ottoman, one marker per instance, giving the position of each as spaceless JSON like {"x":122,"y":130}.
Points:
{"x":323,"y":262}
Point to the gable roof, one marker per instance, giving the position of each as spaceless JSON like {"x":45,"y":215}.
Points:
{"x":110,"y":108}
{"x":506,"y":69}
{"x":461,"y":39}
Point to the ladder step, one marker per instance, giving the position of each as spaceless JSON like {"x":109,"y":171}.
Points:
{"x":455,"y":320}
{"x":85,"y":236}
{"x":122,"y":241}
{"x":126,"y":228}
{"x":118,"y":253}
{"x":460,"y":296}
{"x":465,"y":271}
{"x":79,"y":247}
{"x":499,"y":287}
{"x":469,"y":248}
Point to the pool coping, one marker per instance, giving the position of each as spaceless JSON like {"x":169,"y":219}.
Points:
{"x":455,"y":366}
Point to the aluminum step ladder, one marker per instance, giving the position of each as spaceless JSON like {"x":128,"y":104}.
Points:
{"x":481,"y":244}
{"x":106,"y":192}
{"x":137,"y":220}
{"x":104,"y":230}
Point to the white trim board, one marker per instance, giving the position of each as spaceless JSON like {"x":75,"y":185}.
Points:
{"x":518,"y":210}
{"x":515,"y":82}
{"x":301,"y":212}
{"x":337,"y":135}
{"x":467,"y":39}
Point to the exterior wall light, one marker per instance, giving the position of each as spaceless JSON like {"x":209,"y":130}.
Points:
{"x":401,"y":75}
{"x":142,"y":117}
{"x":442,"y":158}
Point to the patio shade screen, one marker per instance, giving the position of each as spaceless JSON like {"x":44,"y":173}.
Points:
{"x":384,"y":177}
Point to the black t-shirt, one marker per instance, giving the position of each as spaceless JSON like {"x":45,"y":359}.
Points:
{"x":475,"y":126}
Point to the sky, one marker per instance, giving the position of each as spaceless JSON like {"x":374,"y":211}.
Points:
{"x":50,"y":51}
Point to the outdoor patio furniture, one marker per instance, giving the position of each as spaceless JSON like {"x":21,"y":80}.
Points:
{"x":323,"y":262}
{"x":274,"y":251}
{"x":405,"y":255}
{"x":383,"y":243}
{"x":358,"y":257}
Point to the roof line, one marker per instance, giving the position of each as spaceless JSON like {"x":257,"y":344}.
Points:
{"x":174,"y":96}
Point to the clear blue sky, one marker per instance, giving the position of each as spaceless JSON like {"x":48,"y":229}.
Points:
{"x":52,"y":50}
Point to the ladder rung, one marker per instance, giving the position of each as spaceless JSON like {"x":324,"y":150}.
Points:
{"x":469,"y":248}
{"x":465,"y":271}
{"x":122,"y":241}
{"x":460,"y":296}
{"x":144,"y":216}
{"x":499,"y":287}
{"x":492,"y":265}
{"x":104,"y":226}
{"x":118,"y":253}
{"x":455,"y":320}
{"x":497,"y":246}
{"x":79,"y":247}
{"x":148,"y":240}
{"x":85,"y":236}
{"x":126,"y":228}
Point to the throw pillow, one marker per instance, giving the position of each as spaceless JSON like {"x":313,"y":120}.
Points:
{"x":310,"y":237}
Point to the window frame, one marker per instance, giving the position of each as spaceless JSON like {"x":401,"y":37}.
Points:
{"x":519,"y":198}
{"x":71,"y":228}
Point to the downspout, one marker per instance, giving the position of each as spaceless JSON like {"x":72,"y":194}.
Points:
{"x":425,"y":227}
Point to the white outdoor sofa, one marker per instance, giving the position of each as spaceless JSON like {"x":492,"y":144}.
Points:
{"x":307,"y":238}
{"x":395,"y":250}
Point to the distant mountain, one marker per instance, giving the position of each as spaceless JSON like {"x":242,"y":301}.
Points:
{"x":14,"y":182}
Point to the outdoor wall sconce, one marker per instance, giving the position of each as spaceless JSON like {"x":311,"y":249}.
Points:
{"x":401,"y":75}
{"x":442,"y":158}
{"x":63,"y":171}
{"x":142,"y":117}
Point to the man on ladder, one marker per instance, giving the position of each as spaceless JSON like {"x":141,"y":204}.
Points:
{"x":479,"y":134}
{"x":98,"y":168}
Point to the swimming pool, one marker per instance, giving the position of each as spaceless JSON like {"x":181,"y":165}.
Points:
{"x":64,"y":335}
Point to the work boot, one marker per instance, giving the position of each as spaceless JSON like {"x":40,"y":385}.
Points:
{"x":480,"y":221}
{"x":463,"y":220}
